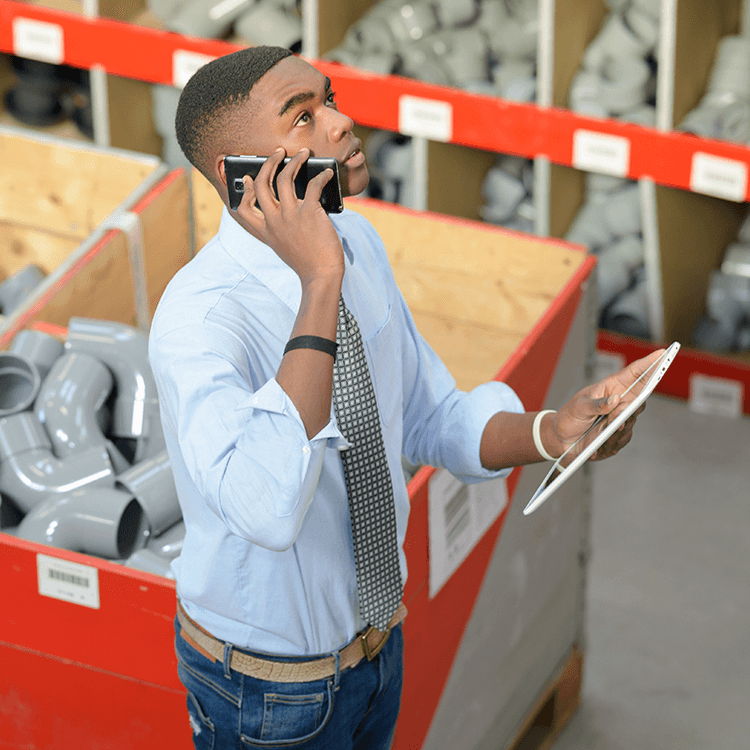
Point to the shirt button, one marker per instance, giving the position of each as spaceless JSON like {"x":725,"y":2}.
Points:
{"x":255,"y":401}
{"x":306,"y":449}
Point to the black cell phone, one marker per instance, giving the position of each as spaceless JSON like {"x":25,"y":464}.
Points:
{"x":236,"y":167}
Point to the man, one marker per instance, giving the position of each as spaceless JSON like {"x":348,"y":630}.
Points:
{"x":250,"y":345}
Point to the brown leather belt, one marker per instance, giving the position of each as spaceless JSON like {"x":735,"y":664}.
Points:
{"x":366,"y":644}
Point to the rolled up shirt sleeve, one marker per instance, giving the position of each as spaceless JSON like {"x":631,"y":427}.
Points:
{"x":243,"y":444}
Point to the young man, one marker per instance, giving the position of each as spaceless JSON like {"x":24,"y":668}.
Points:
{"x":270,"y":615}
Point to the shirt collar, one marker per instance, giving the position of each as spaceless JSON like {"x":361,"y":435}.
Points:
{"x":262,"y":262}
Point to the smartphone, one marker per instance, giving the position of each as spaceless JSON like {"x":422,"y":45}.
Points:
{"x":236,"y":167}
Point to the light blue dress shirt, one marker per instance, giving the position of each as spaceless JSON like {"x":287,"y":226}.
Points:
{"x":267,"y":561}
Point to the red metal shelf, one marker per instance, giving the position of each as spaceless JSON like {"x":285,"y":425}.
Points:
{"x":480,"y":122}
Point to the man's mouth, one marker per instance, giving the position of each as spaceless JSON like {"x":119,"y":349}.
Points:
{"x":356,"y":158}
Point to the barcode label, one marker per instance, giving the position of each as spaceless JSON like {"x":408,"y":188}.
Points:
{"x":601,"y":152}
{"x":718,"y":396}
{"x":68,"y":581}
{"x":38,"y":40}
{"x":717,"y":176}
{"x":425,"y":118}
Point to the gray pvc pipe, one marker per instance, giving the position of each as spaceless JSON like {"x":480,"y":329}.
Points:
{"x":71,"y":396}
{"x":152,"y":483}
{"x":96,"y":520}
{"x":148,"y":561}
{"x":41,"y":348}
{"x":17,"y":288}
{"x":29,"y":471}
{"x":19,"y":383}
{"x":169,"y":544}
{"x":124,"y":349}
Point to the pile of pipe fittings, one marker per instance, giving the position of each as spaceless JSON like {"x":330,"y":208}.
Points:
{"x":272,"y":22}
{"x":724,"y":110}
{"x":725,"y":326}
{"x":507,"y":192}
{"x":45,"y":94}
{"x":390,"y":161}
{"x":484,"y":46}
{"x":609,"y":224}
{"x":83,"y":462}
{"x":18,"y":287}
{"x":617,"y":77}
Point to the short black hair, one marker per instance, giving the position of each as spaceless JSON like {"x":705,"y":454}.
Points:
{"x":214,"y":90}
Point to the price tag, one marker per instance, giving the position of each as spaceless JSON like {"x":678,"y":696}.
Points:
{"x":68,"y":581}
{"x":38,"y":40}
{"x":718,"y":396}
{"x":601,"y":152}
{"x":184,"y":65}
{"x":425,"y":118}
{"x":715,"y":175}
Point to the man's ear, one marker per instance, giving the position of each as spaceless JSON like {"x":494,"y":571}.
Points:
{"x":219,"y":167}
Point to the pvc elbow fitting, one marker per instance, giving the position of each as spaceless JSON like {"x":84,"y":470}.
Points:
{"x":124,"y":349}
{"x":68,"y":403}
{"x":41,"y":348}
{"x":151,"y":482}
{"x":29,"y":471}
{"x":19,"y":383}
{"x":98,"y":521}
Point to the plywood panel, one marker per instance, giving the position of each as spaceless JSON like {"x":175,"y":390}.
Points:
{"x":20,"y":246}
{"x":472,"y":354}
{"x":102,"y":288}
{"x":207,"y":208}
{"x":63,"y":189}
{"x":165,"y":225}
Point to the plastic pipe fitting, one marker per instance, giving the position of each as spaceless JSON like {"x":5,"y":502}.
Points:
{"x":150,"y":562}
{"x":29,"y":471}
{"x":124,"y":350}
{"x":502,"y":193}
{"x":269,"y":24}
{"x":628,"y":314}
{"x":615,"y":39}
{"x":16,"y":288}
{"x":71,"y":396}
{"x":41,"y":348}
{"x":19,"y":383}
{"x":624,"y":83}
{"x":207,"y":19}
{"x":736,"y":260}
{"x":98,"y":521}
{"x":616,"y":266}
{"x":589,"y":227}
{"x":728,"y":297}
{"x":151,"y":482}
{"x":622,"y":212}
{"x":455,"y":12}
{"x":169,"y":544}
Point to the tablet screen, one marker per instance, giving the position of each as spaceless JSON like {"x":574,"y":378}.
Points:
{"x":558,"y":475}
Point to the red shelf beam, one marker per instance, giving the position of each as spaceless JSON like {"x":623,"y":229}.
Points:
{"x":480,"y":122}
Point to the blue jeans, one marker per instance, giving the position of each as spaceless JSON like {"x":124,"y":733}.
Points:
{"x":355,"y":710}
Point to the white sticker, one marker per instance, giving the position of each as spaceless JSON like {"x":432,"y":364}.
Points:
{"x":459,"y":515}
{"x":38,"y":40}
{"x":601,"y":152}
{"x":718,"y":396}
{"x":715,"y":175}
{"x":184,"y":65}
{"x":68,"y":581}
{"x":425,"y":118}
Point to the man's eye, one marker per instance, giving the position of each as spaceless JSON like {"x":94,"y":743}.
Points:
{"x":331,"y":98}
{"x":304,"y":118}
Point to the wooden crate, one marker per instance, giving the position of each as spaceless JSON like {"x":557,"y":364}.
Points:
{"x":61,"y":204}
{"x":494,"y":304}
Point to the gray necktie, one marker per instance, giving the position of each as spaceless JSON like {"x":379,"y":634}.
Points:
{"x":368,"y":479}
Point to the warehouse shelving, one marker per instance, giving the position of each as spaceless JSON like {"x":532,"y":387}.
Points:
{"x":693,"y":189}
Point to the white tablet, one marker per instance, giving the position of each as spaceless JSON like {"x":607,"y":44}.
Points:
{"x":558,"y":475}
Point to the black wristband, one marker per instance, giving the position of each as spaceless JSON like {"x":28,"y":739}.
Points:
{"x":312,"y":342}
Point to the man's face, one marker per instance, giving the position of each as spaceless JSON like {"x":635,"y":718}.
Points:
{"x":293,"y":106}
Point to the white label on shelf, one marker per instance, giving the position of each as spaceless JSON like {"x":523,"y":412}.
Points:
{"x":718,"y":396}
{"x":38,"y":40}
{"x":601,"y":152}
{"x":425,"y":118}
{"x":715,"y":175}
{"x":184,"y":65}
{"x":68,"y":581}
{"x":459,"y":516}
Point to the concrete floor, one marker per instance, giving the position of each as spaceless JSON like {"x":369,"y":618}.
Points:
{"x":668,"y":604}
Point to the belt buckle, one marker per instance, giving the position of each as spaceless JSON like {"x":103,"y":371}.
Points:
{"x":371,"y":653}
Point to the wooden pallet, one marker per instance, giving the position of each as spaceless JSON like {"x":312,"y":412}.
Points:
{"x":554,"y":709}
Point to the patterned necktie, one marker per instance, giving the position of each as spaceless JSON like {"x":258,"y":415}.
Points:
{"x":368,"y":479}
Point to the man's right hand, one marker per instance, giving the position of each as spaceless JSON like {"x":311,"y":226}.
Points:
{"x":298,"y":230}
